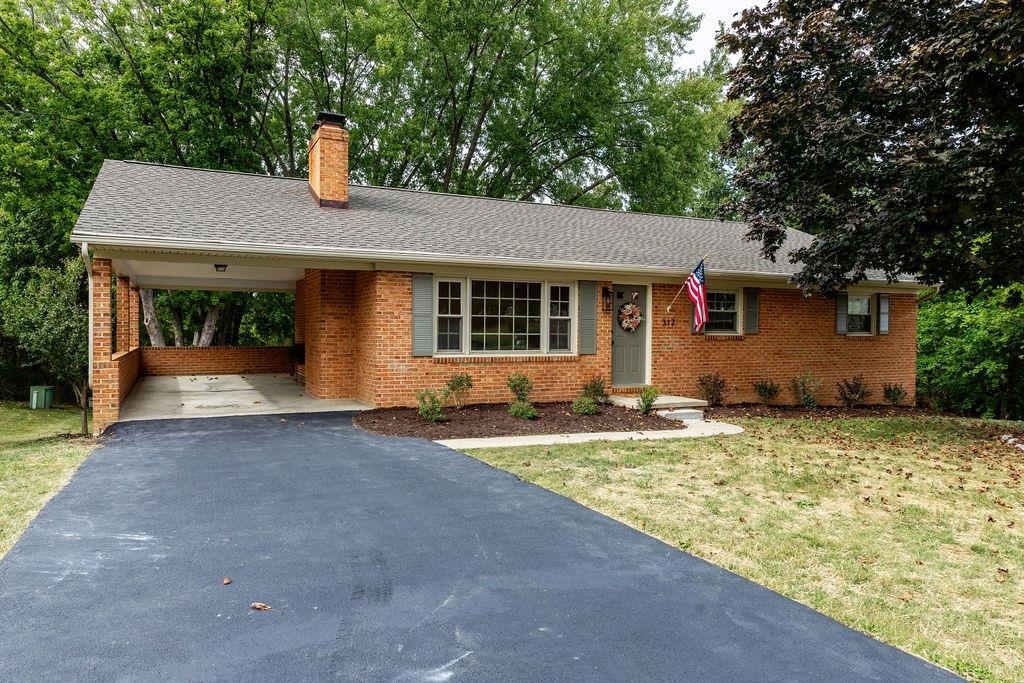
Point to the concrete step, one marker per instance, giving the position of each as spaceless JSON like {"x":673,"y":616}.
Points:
{"x":682,"y":414}
{"x":663,"y":402}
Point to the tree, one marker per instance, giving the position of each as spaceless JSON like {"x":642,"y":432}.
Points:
{"x":892,"y":131}
{"x":48,"y":316}
{"x":970,"y":353}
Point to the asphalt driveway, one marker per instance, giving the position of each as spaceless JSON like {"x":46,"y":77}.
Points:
{"x":382,"y":559}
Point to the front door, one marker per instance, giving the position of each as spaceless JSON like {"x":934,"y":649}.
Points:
{"x":629,"y":335}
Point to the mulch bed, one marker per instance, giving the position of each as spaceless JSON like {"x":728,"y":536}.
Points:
{"x":477,"y":421}
{"x":821,"y":413}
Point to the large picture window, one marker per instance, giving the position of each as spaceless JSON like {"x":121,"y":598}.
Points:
{"x":504,"y":316}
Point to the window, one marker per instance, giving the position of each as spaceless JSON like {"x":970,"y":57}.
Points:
{"x":504,"y":316}
{"x":449,"y":316}
{"x":559,"y":318}
{"x":722,"y":312}
{"x":858,"y":314}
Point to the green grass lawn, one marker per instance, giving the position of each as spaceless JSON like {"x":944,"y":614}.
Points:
{"x":36,"y":460}
{"x":909,"y":529}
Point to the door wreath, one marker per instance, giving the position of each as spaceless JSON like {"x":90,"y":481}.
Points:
{"x":630,"y":316}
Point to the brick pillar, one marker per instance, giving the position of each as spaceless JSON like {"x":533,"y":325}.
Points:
{"x":134,"y":304}
{"x":327,"y":303}
{"x":105,"y":398}
{"x":123,"y":322}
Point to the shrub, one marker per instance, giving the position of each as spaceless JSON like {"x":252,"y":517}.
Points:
{"x":645,"y":400}
{"x":596,"y":390}
{"x":458,"y":388}
{"x":584,"y":405}
{"x":767,"y":390}
{"x":805,"y":388}
{"x":430,"y":404}
{"x":853,"y":391}
{"x":522,"y":410}
{"x":894,"y":394}
{"x":711,"y":388}
{"x":520,"y":386}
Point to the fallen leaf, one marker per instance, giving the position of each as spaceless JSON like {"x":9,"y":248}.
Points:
{"x":1000,"y":578}
{"x":227,"y":580}
{"x":261,"y":606}
{"x":905,"y":596}
{"x":743,"y":520}
{"x":919,"y":562}
{"x":991,"y":518}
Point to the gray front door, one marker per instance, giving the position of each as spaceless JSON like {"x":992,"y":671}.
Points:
{"x":629,"y":349}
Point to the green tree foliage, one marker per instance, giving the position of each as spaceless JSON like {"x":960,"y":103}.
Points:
{"x":970,"y":353}
{"x":47,"y":315}
{"x":892,"y":131}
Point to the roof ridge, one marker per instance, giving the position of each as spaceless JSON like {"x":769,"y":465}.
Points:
{"x":435,"y":192}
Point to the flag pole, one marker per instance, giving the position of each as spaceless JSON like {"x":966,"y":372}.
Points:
{"x":668,"y":309}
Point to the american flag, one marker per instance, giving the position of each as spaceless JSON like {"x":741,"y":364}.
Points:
{"x":698,"y":295}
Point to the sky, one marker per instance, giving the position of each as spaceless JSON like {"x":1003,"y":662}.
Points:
{"x":714,"y":11}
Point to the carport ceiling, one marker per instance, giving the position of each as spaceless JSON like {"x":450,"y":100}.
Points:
{"x":235,"y":277}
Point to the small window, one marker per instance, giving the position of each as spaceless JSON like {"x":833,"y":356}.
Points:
{"x":858,"y":314}
{"x":722,"y":312}
{"x":560,"y":318}
{"x":449,"y":316}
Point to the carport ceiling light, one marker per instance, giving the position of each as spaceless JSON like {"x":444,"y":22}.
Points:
{"x":220,"y":267}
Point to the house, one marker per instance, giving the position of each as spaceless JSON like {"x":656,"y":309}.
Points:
{"x":396,"y":290}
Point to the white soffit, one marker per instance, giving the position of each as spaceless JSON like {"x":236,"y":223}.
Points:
{"x":171,"y":275}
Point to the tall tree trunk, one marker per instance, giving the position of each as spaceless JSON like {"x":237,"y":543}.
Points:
{"x":178,"y":327}
{"x":153,"y":329}
{"x":209,"y":327}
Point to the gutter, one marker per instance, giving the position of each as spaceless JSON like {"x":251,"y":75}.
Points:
{"x":404,"y":257}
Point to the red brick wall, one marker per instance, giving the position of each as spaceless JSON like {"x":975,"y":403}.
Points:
{"x":795,"y":334}
{"x":380,"y":369}
{"x":129,"y":365}
{"x":358,"y":332}
{"x":106,"y":395}
{"x":215,"y":360}
{"x":327,"y":318}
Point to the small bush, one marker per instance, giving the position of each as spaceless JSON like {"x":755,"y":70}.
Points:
{"x":805,"y":388}
{"x":522,"y":410}
{"x":711,"y":388}
{"x":645,"y":400}
{"x":430,"y":404}
{"x":520,"y":386}
{"x":585,"y":405}
{"x":894,"y":394}
{"x":853,"y":391}
{"x":458,"y":388}
{"x":767,"y":390}
{"x":596,"y":390}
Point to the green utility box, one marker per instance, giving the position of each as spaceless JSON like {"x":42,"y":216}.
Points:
{"x":40,"y":398}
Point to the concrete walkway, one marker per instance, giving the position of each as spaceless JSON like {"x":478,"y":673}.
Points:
{"x":382,"y":560}
{"x":156,"y":398}
{"x":694,"y":428}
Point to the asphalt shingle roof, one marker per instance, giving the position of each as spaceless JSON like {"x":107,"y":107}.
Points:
{"x":139,"y":203}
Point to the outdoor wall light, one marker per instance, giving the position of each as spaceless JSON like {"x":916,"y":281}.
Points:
{"x":220,"y":267}
{"x":606,"y":298}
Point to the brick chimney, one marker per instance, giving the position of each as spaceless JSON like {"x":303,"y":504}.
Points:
{"x":328,"y":161}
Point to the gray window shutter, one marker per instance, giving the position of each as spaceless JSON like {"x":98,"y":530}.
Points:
{"x":883,"y":314}
{"x":841,"y":304}
{"x":422,"y":314}
{"x":751,"y":301}
{"x":588,"y":317}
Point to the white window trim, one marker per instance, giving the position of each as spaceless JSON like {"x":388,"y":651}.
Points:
{"x":437,"y":316}
{"x":738,"y":331}
{"x":872,"y":314}
{"x":545,"y":309}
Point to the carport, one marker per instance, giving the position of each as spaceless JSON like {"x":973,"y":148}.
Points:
{"x":134,"y":382}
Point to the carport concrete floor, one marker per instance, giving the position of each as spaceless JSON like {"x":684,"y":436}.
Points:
{"x":381,"y":559}
{"x":155,"y":398}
